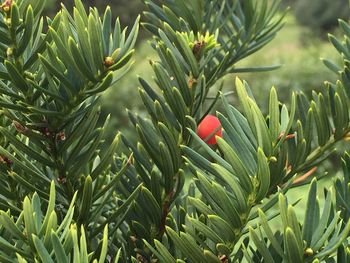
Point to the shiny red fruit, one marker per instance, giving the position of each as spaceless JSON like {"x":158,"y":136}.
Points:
{"x":207,"y":127}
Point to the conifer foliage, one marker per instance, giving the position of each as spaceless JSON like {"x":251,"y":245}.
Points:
{"x":188,"y":190}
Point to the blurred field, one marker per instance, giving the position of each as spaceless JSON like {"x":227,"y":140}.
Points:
{"x":298,"y":53}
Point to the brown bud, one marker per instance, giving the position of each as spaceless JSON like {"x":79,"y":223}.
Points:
{"x":6,"y":6}
{"x":197,"y":48}
{"x":19,"y":127}
{"x":108,"y":62}
{"x":45,"y":131}
{"x":140,"y":258}
{"x":133,"y":239}
{"x":224,"y":258}
{"x":191,"y":82}
{"x":62,"y":180}
{"x":61,"y":136}
{"x":5,"y":160}
{"x":8,"y":161}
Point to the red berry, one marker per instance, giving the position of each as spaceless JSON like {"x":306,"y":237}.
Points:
{"x":208,"y":126}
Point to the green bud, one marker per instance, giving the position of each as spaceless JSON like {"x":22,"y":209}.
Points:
{"x":9,"y":52}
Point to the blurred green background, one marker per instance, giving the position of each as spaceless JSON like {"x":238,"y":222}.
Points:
{"x":298,"y":48}
{"x":126,"y":10}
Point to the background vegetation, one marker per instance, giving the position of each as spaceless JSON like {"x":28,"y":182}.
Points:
{"x":126,"y":10}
